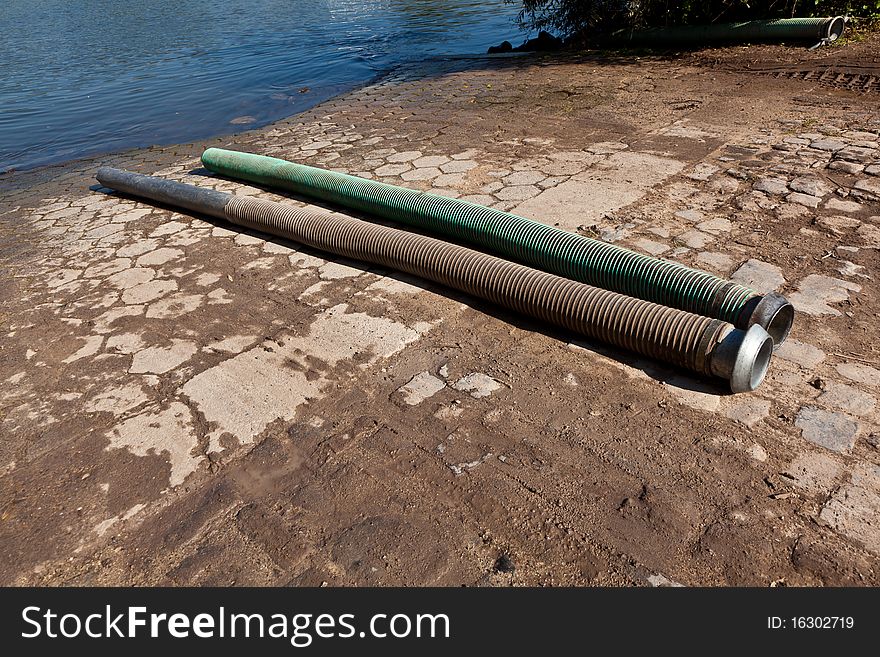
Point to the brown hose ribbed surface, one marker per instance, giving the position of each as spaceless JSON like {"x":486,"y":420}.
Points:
{"x":648,"y":328}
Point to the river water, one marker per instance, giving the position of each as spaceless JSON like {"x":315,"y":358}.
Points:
{"x":82,"y":77}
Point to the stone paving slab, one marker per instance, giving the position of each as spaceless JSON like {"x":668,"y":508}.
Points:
{"x":186,"y":403}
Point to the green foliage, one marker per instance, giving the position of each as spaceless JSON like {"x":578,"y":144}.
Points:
{"x":566,"y":17}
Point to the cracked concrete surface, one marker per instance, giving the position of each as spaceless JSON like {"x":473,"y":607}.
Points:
{"x":186,"y":403}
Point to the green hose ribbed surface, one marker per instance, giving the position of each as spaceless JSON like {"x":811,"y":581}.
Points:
{"x":548,"y":248}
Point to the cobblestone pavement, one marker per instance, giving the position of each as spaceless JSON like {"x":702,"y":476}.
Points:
{"x":185,"y":403}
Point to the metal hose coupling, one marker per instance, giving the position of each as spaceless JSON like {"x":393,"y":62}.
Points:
{"x":773,"y":312}
{"x":527,"y":241}
{"x":702,"y":344}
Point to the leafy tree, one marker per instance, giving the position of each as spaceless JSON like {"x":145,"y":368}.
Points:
{"x":567,"y":17}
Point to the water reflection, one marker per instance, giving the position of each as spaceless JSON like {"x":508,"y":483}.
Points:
{"x":98,"y":75}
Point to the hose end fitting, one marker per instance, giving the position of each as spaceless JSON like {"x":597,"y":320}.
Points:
{"x":743,"y":357}
{"x":834,"y":29}
{"x":773,"y":312}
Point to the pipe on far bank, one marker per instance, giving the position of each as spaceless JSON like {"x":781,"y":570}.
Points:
{"x":702,"y":344}
{"x":823,"y":30}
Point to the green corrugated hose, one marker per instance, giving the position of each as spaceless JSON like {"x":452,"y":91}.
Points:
{"x":557,"y":251}
{"x":816,"y":29}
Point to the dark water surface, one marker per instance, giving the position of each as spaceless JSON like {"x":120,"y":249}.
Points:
{"x":80,"y":77}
